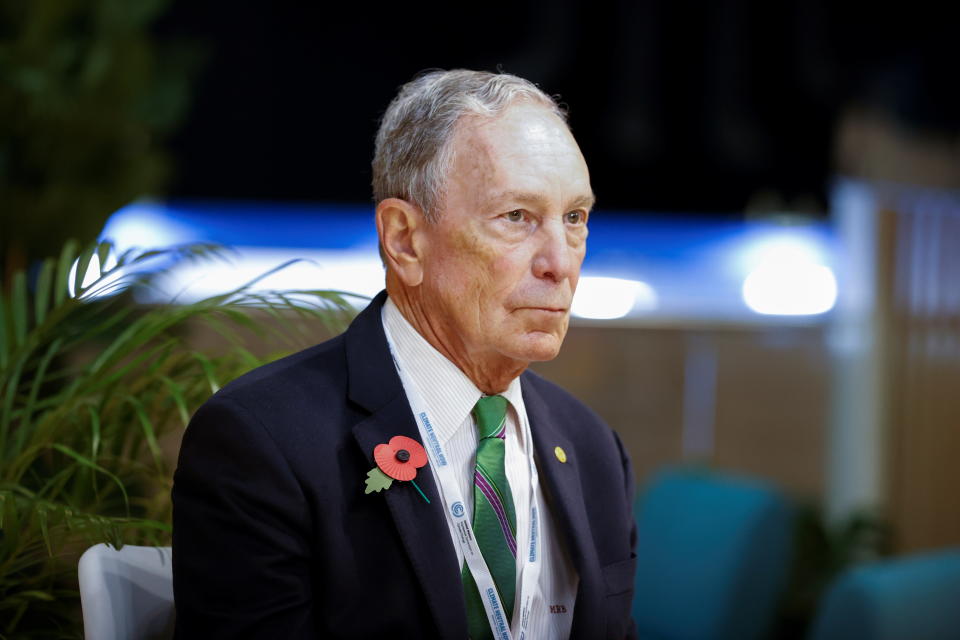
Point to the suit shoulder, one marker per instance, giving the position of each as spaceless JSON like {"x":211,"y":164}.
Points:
{"x":294,"y":401}
{"x":321,"y":363}
{"x":561,"y":399}
{"x":581,"y":423}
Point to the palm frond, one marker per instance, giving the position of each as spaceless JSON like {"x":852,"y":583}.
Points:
{"x":93,"y":384}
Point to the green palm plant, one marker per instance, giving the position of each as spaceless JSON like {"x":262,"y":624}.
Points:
{"x":95,"y":390}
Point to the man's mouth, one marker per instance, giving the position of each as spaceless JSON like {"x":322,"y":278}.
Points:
{"x":547,"y":309}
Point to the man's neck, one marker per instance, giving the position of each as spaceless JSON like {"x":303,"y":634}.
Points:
{"x":491,"y":372}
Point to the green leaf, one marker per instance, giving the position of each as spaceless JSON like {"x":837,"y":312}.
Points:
{"x":137,"y":334}
{"x":176,"y":392}
{"x":103,"y":252}
{"x":4,"y":356}
{"x":377,"y":480}
{"x":41,"y":300}
{"x":83,"y":265}
{"x":64,"y":264}
{"x":94,"y":433}
{"x":11,"y":381}
{"x":18,"y":307}
{"x":15,"y":619}
{"x":150,"y":434}
{"x":36,"y":595}
{"x":23,"y":429}
{"x":42,"y":517}
{"x":93,"y":465}
{"x":208,"y":372}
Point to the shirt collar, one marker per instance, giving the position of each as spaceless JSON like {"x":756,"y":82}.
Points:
{"x":448,"y":392}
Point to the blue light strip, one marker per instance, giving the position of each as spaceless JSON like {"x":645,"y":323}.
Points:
{"x":693,"y":267}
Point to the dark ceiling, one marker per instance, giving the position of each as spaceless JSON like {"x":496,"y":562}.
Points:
{"x":678,"y":106}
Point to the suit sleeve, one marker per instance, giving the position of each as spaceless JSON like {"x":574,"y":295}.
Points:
{"x":629,"y":490}
{"x":241,"y":554}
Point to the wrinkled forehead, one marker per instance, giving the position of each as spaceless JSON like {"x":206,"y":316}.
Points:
{"x":532,"y":121}
{"x":525,"y":147}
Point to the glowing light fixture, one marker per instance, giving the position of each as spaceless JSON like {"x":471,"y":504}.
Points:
{"x":146,"y":225}
{"x":790,"y":288}
{"x":608,"y":298}
{"x":353,"y":272}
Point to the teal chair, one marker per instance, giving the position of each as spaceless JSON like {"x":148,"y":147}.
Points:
{"x":915,"y":597}
{"x":713,"y":555}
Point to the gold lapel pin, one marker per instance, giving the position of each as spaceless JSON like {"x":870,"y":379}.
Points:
{"x":560,"y":453}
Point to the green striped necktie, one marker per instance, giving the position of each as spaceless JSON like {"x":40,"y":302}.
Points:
{"x":494,"y":518}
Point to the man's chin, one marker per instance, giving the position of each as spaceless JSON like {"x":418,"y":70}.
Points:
{"x":538,"y":346}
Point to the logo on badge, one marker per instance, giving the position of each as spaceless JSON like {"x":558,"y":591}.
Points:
{"x":457,"y":509}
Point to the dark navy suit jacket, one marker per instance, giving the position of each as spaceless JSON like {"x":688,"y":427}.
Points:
{"x":274,"y":537}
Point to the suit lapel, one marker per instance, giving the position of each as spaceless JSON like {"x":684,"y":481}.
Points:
{"x":561,"y":485}
{"x":374,"y":384}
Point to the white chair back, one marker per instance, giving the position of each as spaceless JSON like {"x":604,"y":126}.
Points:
{"x":127,"y":594}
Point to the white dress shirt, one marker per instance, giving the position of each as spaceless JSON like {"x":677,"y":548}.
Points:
{"x":450,"y":396}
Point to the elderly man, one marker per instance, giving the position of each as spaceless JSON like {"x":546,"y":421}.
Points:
{"x":408,"y":479}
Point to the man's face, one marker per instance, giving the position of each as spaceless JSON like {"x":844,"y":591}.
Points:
{"x":502,"y":262}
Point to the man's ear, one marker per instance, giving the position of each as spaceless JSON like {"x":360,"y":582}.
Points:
{"x":399,"y":224}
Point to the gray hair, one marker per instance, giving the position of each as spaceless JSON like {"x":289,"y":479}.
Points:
{"x":414,"y":150}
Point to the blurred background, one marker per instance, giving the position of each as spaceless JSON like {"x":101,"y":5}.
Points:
{"x":771,"y":289}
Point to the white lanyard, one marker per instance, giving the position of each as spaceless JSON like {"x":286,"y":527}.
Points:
{"x":457,"y":516}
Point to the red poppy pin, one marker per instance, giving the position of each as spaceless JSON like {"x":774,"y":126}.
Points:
{"x":399,"y":459}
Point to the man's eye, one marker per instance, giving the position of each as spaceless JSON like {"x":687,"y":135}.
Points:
{"x":575,"y":217}
{"x":515,"y":216}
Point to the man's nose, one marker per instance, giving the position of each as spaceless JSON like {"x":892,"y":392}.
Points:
{"x":555,"y":259}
